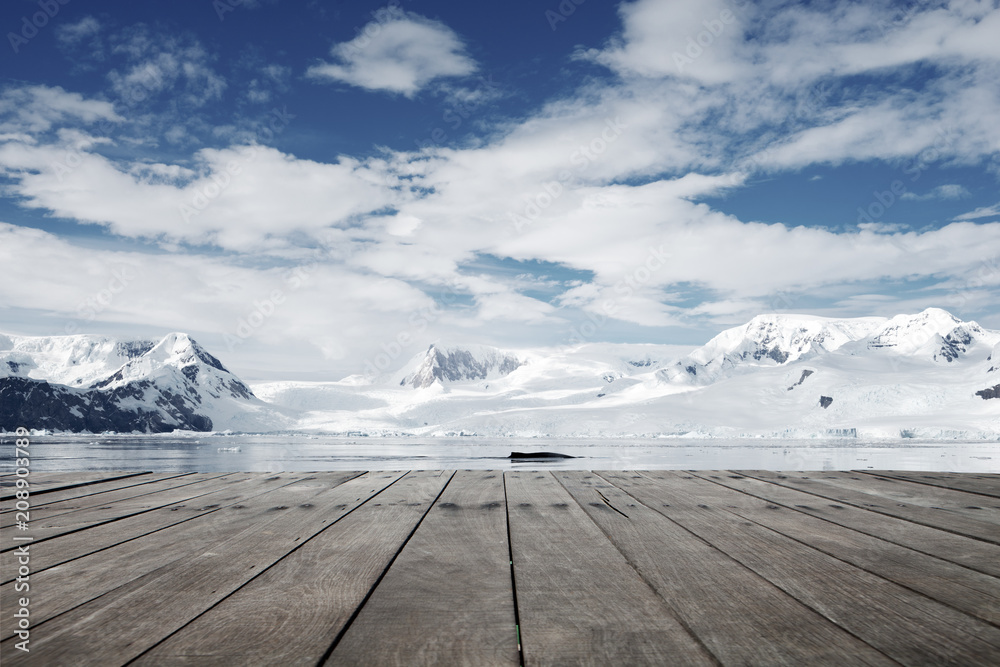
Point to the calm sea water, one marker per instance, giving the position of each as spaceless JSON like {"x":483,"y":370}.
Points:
{"x":212,"y":453}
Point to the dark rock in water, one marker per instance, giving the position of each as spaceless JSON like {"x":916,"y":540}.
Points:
{"x":825,"y":401}
{"x":539,"y":455}
{"x":989,"y":392}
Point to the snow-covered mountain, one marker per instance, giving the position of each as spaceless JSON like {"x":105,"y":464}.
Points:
{"x":451,"y":363}
{"x":767,"y":340}
{"x":97,"y":383}
{"x":927,"y":375}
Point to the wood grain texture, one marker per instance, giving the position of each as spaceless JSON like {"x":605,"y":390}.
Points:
{"x":979,"y":483}
{"x":579,"y":600}
{"x":741,"y":617}
{"x":43,"y":529}
{"x":292,"y":613}
{"x":44,"y":483}
{"x":134,"y":617}
{"x":447,"y":600}
{"x":974,"y":593}
{"x":973,"y":554}
{"x":906,"y":626}
{"x":69,"y":547}
{"x":940,"y":519}
{"x":609,"y":568}
{"x":113,"y":500}
{"x":96,"y":489}
{"x":980,"y":508}
{"x":64,"y":587}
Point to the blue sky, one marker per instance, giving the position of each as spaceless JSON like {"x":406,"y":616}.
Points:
{"x":304,"y":186}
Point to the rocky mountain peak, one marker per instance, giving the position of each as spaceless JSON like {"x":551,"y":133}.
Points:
{"x":458,"y":364}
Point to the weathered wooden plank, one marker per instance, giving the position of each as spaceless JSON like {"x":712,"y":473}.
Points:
{"x":980,"y":508}
{"x":89,"y":577}
{"x":112,"y":500}
{"x":48,"y":528}
{"x":136,"y":616}
{"x":979,"y":483}
{"x":973,"y":592}
{"x":76,"y":545}
{"x":97,"y":489}
{"x":905,"y":625}
{"x":741,"y":617}
{"x":948,"y":521}
{"x":974,"y":554}
{"x":579,"y":600}
{"x":447,"y":600}
{"x":43,"y":483}
{"x":292,"y":613}
{"x":47,"y":553}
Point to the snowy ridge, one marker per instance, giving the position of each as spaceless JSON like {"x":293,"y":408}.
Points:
{"x":767,"y":340}
{"x":775,"y":340}
{"x":452,"y":363}
{"x":97,"y":383}
{"x":928,"y":375}
{"x":77,"y":361}
{"x":776,"y":376}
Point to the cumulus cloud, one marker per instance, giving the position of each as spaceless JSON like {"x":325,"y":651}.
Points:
{"x":240,"y":198}
{"x":793,"y":44}
{"x":677,"y":38}
{"x":398,"y":53}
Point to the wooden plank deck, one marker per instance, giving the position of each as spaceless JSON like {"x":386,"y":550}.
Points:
{"x":506,"y":568}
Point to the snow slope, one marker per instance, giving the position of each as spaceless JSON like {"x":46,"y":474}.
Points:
{"x":778,"y":375}
{"x":87,"y":382}
{"x":928,"y":375}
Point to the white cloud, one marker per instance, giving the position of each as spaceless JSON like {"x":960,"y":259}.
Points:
{"x":793,"y":44}
{"x":948,"y":191}
{"x":270,"y":79}
{"x":71,"y":34}
{"x":398,"y":52}
{"x":158,"y":63}
{"x":319,"y":306}
{"x":981,"y":212}
{"x":239,"y":198}
{"x":36,"y":109}
{"x":785,"y":99}
{"x":677,"y":38}
{"x":646,"y":245}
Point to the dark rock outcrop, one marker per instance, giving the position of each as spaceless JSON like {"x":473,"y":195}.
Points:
{"x":37,"y":404}
{"x":989,"y":392}
{"x":825,"y":401}
{"x":955,"y":344}
{"x":805,"y":374}
{"x":456,"y":365}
